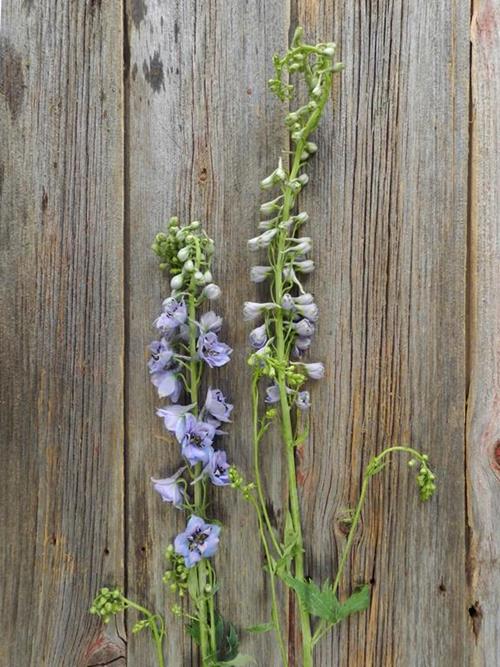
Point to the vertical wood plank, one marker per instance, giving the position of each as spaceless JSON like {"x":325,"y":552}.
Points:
{"x":388,"y":203}
{"x":483,"y":429}
{"x":61,"y":328}
{"x":202,"y":131}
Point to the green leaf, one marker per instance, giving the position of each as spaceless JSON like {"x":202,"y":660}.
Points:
{"x":358,"y":601}
{"x":260,"y":627}
{"x":227,"y":640}
{"x":324,"y":603}
{"x":193,"y":630}
{"x":239,"y":661}
{"x":318,"y":602}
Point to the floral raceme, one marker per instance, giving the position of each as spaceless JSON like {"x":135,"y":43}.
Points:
{"x":188,"y":342}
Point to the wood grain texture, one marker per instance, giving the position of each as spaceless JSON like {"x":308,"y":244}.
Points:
{"x":388,"y":204}
{"x":114,"y":116}
{"x":61,"y":329}
{"x":483,"y":428}
{"x":202,"y":130}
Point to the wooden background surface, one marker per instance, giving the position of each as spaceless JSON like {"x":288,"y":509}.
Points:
{"x":116,"y":114}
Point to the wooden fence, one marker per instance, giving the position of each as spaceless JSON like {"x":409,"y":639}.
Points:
{"x":116,"y":114}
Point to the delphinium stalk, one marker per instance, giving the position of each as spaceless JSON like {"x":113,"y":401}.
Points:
{"x":281,"y":342}
{"x":187,"y":345}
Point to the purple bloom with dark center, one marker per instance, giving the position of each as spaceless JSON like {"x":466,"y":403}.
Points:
{"x":217,"y":406}
{"x":303,"y":400}
{"x":161,"y":356}
{"x":196,"y":438}
{"x":172,"y":413}
{"x":169,"y":489}
{"x":199,"y":540}
{"x":167,"y":384}
{"x":174,"y":314}
{"x":212,"y":351}
{"x":217,"y":469}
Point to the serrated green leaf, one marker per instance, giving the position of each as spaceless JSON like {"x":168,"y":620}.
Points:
{"x":358,"y":601}
{"x":239,"y":661}
{"x":193,"y":630}
{"x":260,"y":627}
{"x":321,"y":603}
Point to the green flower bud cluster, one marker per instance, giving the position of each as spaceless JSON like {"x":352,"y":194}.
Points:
{"x":140,"y":625}
{"x":107,"y":603}
{"x":426,"y":479}
{"x":187,"y":253}
{"x":176,"y":577}
{"x":295,"y":379}
{"x":238,"y":482}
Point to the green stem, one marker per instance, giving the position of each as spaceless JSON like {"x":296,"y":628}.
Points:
{"x":199,"y":485}
{"x":275,"y":615}
{"x":282,"y":363}
{"x":372,"y":469}
{"x":157,"y":634}
{"x":256,"y":461}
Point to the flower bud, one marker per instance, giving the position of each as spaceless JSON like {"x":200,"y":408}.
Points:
{"x":311,"y":147}
{"x":199,"y":278}
{"x":177,"y":282}
{"x":188,"y":266}
{"x":211,"y":291}
{"x":183,"y":254}
{"x":208,"y":276}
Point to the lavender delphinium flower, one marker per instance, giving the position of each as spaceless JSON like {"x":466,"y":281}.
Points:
{"x":196,"y":438}
{"x":217,"y":405}
{"x":199,"y":540}
{"x":172,"y":413}
{"x":169,"y":489}
{"x":217,"y":468}
{"x":174,"y":314}
{"x":212,"y":350}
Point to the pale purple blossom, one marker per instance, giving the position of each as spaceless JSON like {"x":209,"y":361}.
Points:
{"x":210,"y":322}
{"x":303,"y":327}
{"x":258,"y":337}
{"x":272,"y":394}
{"x":304,"y":266}
{"x":259,"y":273}
{"x":217,"y":405}
{"x":287,"y":302}
{"x":169,"y":489}
{"x":263,"y":240}
{"x":167,"y":384}
{"x":161,"y":355}
{"x":304,"y":299}
{"x":196,"y":438}
{"x":174,"y":314}
{"x":199,"y":540}
{"x":217,"y":468}
{"x":309,"y":310}
{"x":212,"y":350}
{"x":172,"y":413}
{"x":251,"y":309}
{"x":303,"y":400}
{"x":315,"y":370}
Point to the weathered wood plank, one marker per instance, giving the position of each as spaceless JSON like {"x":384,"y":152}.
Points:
{"x":202,"y":131}
{"x":388,"y":201}
{"x":61,"y":328}
{"x":483,"y":428}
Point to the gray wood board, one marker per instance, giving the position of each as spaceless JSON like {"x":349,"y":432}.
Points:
{"x":61,"y":417}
